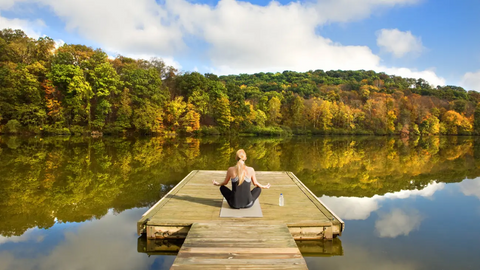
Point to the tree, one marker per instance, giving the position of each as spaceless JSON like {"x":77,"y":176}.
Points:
{"x":148,"y":118}
{"x":455,"y":123}
{"x":297,"y":112}
{"x":430,"y":125}
{"x":221,"y":113}
{"x":476,"y":118}
{"x":106,"y":86}
{"x":191,"y":120}
{"x":21,"y":94}
{"x":326,"y":115}
{"x":174,"y":110}
{"x":273,"y":108}
{"x":53,"y":99}
{"x":124,"y":111}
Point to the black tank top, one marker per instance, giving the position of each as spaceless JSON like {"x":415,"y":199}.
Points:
{"x":241,"y":194}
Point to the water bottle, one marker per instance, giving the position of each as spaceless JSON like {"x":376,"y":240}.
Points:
{"x":281,"y":201}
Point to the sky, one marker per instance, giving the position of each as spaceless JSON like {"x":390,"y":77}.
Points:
{"x":436,"y":40}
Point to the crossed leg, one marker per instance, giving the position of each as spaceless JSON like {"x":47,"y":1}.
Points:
{"x":227,"y":194}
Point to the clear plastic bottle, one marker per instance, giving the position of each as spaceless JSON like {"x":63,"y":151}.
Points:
{"x":281,"y":200}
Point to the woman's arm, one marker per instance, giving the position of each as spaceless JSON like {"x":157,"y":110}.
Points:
{"x":227,"y":179}
{"x":255,"y":182}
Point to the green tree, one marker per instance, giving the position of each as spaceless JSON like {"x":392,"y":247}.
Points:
{"x":297,"y":110}
{"x":106,"y":86}
{"x":174,"y":110}
{"x":326,"y":115}
{"x":476,"y":122}
{"x":222,"y":113}
{"x":273,"y":108}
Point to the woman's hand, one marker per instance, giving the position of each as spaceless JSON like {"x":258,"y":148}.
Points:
{"x":215,"y":183}
{"x":267,"y":186}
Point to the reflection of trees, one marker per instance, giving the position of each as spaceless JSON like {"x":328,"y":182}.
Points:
{"x":80,"y":179}
{"x":77,"y":179}
{"x":369,"y":166}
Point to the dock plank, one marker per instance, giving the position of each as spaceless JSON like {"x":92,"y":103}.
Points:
{"x":260,"y":252}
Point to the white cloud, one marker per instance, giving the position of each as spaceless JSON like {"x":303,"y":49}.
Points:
{"x":8,"y":4}
{"x":397,"y":223}
{"x":241,"y":37}
{"x":59,"y":43}
{"x":247,"y":38}
{"x":135,"y":27}
{"x":470,"y":187}
{"x":354,"y":10}
{"x":31,"y":28}
{"x":428,"y":75}
{"x":471,"y":81}
{"x":170,"y":61}
{"x":398,"y":43}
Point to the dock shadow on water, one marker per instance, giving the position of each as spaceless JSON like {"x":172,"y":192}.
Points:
{"x":62,"y":197}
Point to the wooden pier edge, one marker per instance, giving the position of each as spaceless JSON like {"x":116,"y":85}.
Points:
{"x":299,"y":182}
{"x":141,"y":223}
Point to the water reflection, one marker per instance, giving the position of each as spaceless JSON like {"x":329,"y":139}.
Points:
{"x":29,"y":236}
{"x":471,"y":187}
{"x":159,"y":246}
{"x":430,"y":228}
{"x":356,"y":208}
{"x":51,"y":180}
{"x":317,"y":248}
{"x":398,"y":222}
{"x":73,"y":202}
{"x":361,"y":258}
{"x":100,"y":244}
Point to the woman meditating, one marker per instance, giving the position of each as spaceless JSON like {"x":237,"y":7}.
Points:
{"x":242,"y":176}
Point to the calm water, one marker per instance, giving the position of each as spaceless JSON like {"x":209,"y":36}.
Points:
{"x":73,"y":203}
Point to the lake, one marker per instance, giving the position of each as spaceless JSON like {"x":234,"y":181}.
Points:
{"x":73,"y":203}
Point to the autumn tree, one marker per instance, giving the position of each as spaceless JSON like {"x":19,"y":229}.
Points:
{"x":273,"y":108}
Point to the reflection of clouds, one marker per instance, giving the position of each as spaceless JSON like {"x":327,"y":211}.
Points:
{"x":397,"y":223}
{"x":29,"y":235}
{"x":7,"y":259}
{"x":470,"y":187}
{"x":354,"y":208}
{"x":351,"y":208}
{"x":427,"y":191}
{"x":108,"y":243}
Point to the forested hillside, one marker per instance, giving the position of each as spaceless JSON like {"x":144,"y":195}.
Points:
{"x":75,"y":89}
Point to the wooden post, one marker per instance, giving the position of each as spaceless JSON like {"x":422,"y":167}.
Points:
{"x":328,"y":233}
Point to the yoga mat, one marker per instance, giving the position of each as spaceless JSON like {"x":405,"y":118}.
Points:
{"x":254,"y":211}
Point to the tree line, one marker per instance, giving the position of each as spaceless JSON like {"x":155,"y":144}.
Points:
{"x":74,"y":89}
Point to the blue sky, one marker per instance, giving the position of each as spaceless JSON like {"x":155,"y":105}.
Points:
{"x":436,"y":40}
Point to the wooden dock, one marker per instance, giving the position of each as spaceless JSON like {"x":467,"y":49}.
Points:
{"x":191,"y":211}
{"x":248,"y":245}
